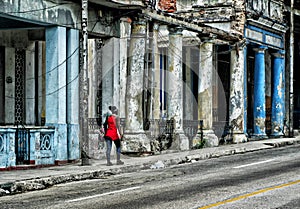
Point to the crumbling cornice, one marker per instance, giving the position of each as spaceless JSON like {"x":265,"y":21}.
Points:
{"x":202,"y":29}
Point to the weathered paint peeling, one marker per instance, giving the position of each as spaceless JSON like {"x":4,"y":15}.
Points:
{"x":280,"y":86}
{"x":278,"y":105}
{"x":260,"y":122}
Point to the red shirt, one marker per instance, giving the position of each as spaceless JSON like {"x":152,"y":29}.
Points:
{"x":112,"y":130}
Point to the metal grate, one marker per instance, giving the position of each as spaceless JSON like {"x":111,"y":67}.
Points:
{"x":45,"y":142}
{"x":20,"y":86}
{"x":22,"y":146}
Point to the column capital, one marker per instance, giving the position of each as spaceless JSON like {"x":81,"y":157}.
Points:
{"x":206,"y":39}
{"x":241,"y":45}
{"x":139,"y":21}
{"x":260,"y":49}
{"x":175,"y":30}
{"x":138,"y":28}
{"x":279,"y":54}
{"x":156,"y":26}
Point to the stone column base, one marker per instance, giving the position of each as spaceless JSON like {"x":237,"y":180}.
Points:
{"x":239,"y":138}
{"x":209,"y":137}
{"x":180,"y":142}
{"x":259,"y":136}
{"x":277,"y":135}
{"x":135,"y":143}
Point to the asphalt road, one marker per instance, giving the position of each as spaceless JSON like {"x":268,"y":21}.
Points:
{"x":262,"y":179}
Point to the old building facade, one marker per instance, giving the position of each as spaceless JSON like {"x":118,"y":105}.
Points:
{"x":39,"y":80}
{"x":180,"y":72}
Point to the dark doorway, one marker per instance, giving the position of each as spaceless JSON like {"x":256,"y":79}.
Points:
{"x":250,"y":90}
{"x":296,"y":116}
{"x":221,"y":90}
{"x":2,"y":85}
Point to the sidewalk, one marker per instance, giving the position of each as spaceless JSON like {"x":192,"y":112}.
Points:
{"x":17,"y":181}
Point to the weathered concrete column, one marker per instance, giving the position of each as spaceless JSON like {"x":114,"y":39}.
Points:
{"x":73,"y":94}
{"x":175,"y":87}
{"x":41,"y":82}
{"x":56,"y":102}
{"x":187,"y":87}
{"x":205,"y":108}
{"x":30,"y":85}
{"x":124,"y":36}
{"x":236,"y":101}
{"x":278,"y":104}
{"x":10,"y":68}
{"x":156,"y":72}
{"x":259,"y":101}
{"x":135,"y":139}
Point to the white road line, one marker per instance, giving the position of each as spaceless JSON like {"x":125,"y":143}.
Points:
{"x":251,"y":164}
{"x":104,"y":194}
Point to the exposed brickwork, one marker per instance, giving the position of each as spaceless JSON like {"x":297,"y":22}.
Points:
{"x":167,"y":5}
{"x":240,"y":17}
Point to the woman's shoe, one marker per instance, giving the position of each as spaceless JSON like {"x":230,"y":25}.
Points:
{"x":109,"y":164}
{"x":119,"y":162}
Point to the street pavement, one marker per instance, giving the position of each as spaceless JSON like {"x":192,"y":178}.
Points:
{"x":21,"y":180}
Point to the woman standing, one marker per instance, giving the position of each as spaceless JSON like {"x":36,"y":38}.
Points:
{"x":112,"y":134}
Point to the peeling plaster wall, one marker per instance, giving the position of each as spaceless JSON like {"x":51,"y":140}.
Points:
{"x":130,"y":2}
{"x":174,"y":78}
{"x":278,"y":107}
{"x":135,"y":139}
{"x":183,"y":5}
{"x":212,"y":2}
{"x":239,"y":21}
{"x":67,"y":13}
{"x":270,"y":8}
{"x":14,"y":39}
{"x":237,"y":91}
{"x":221,"y":14}
{"x":43,"y":11}
{"x":135,"y":84}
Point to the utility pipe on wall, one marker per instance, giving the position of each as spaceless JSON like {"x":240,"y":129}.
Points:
{"x":291,"y":96}
{"x":84,"y":88}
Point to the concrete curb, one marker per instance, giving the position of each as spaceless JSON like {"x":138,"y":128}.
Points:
{"x":40,"y":183}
